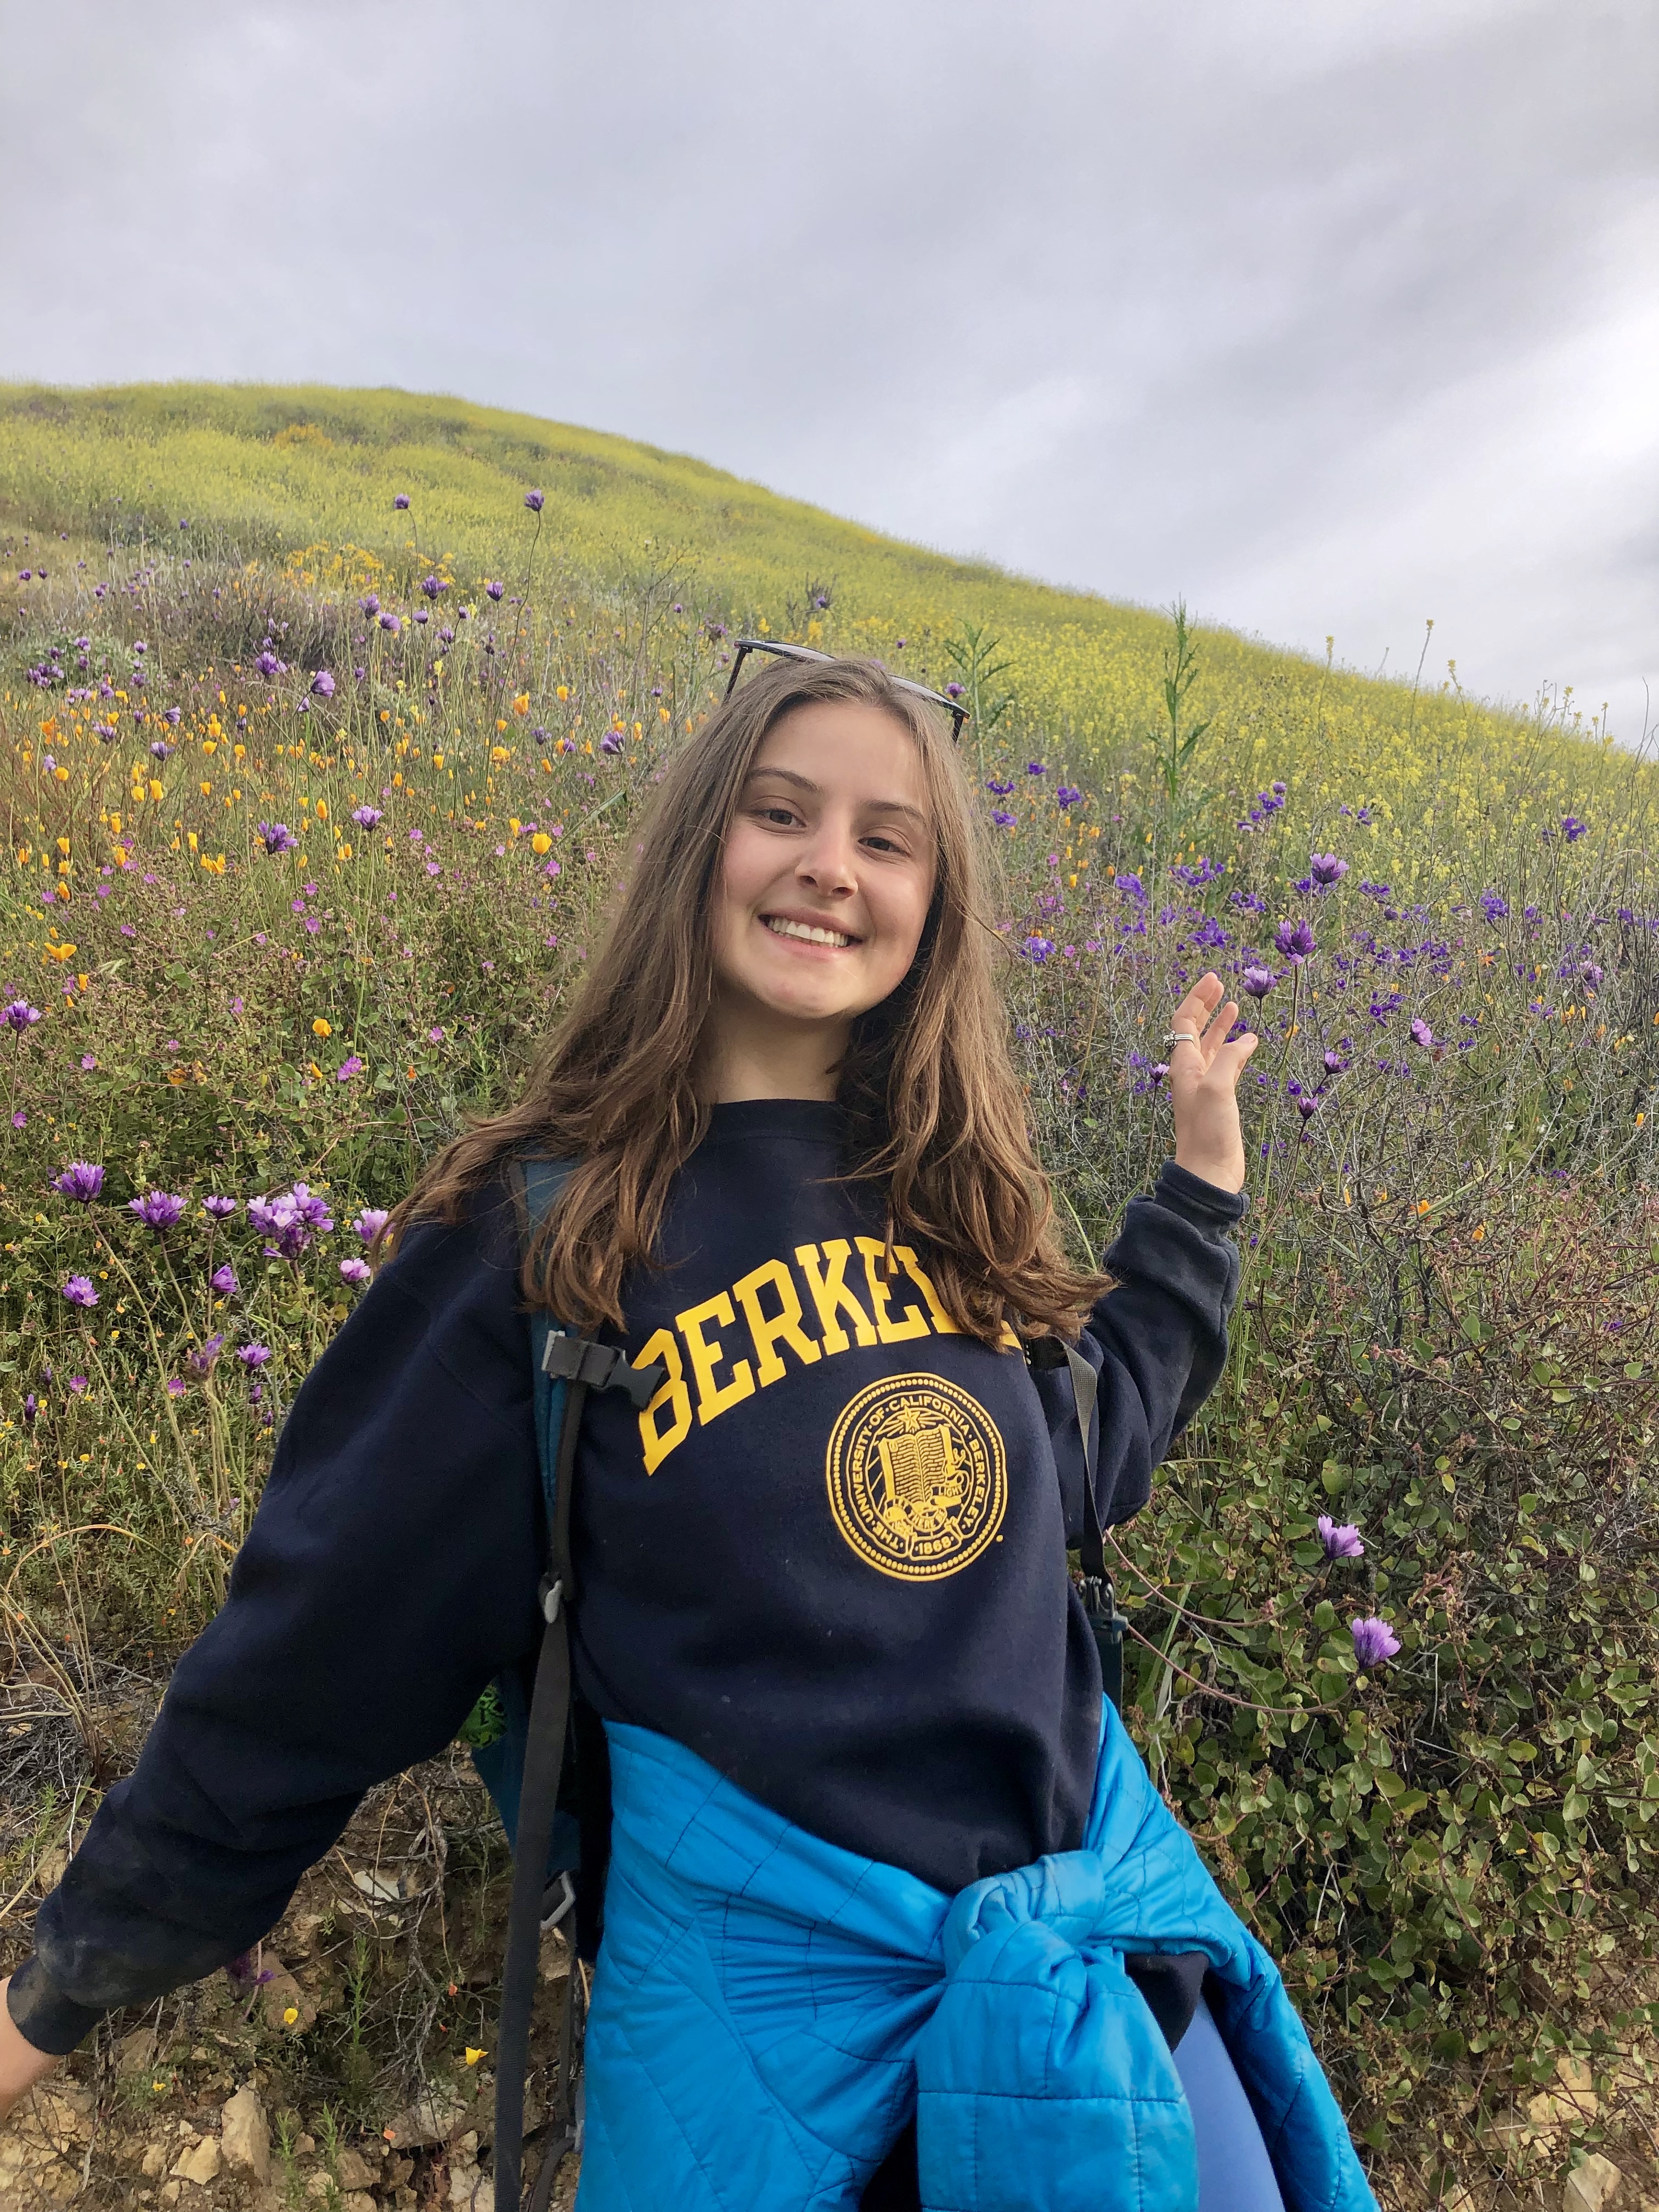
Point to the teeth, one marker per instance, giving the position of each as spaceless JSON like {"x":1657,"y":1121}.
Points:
{"x":779,"y":928}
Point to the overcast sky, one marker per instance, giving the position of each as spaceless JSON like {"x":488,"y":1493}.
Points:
{"x":1331,"y":314}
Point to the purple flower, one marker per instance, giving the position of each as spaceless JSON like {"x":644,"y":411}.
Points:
{"x":78,"y":1384}
{"x":253,"y":1356}
{"x":1326,"y":869}
{"x":323,"y":684}
{"x":1374,"y":1640}
{"x":1295,"y":941}
{"x":1493,"y":906}
{"x":82,"y":1180}
{"x":290,"y":1220}
{"x":611,"y":742}
{"x":80,"y":1292}
{"x":160,"y":749}
{"x":268,"y":665}
{"x":370,"y":604}
{"x":1422,"y":1033}
{"x":1258,"y":982}
{"x":492,"y":591}
{"x":1036,"y":768}
{"x":278,"y":837}
{"x":533,"y":501}
{"x":370,"y":1222}
{"x":1067,"y":795}
{"x":1038,"y":948}
{"x":202,"y":1359}
{"x":998,"y":786}
{"x":220,"y":1209}
{"x":400,"y":500}
{"x":348,"y":1068}
{"x":433,"y":586}
{"x":1131,"y":887}
{"x":1003,"y":821}
{"x":223,"y":1279}
{"x":104,"y":731}
{"x":31,"y":1406}
{"x":158,"y":1210}
{"x":952,"y":690}
{"x":19,"y":1015}
{"x":390,"y":622}
{"x":1572,"y":828}
{"x":1340,"y":1538}
{"x":1380,"y":892}
{"x":365,"y":817}
{"x":355,"y":1270}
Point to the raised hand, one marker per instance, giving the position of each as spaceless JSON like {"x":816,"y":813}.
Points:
{"x":21,"y":2064}
{"x":1204,"y":1073}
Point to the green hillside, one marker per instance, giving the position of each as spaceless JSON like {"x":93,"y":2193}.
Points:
{"x":272,"y":470}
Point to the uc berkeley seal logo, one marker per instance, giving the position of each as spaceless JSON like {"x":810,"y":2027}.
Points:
{"x":918,"y":1478}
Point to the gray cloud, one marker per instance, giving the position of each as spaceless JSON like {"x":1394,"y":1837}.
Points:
{"x":1332,"y":319}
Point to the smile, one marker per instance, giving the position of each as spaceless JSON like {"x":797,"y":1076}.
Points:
{"x":808,"y":935}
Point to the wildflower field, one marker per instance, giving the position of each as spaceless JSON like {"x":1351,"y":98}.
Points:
{"x":323,"y":719}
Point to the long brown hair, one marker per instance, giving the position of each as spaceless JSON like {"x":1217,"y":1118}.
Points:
{"x":936,"y":1111}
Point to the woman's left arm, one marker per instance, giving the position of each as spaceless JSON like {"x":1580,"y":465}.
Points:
{"x":1159,"y":1339}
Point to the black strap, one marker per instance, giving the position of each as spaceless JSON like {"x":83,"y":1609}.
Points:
{"x":582,"y":1366}
{"x":1099,"y":1597}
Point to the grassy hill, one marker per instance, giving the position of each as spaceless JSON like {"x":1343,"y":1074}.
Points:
{"x":270,"y":470}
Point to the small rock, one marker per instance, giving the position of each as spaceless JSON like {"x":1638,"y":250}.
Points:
{"x":470,"y":2190}
{"x":355,"y":2171}
{"x":200,"y":2164}
{"x":1577,"y":2087}
{"x":155,"y":2162}
{"x":136,"y":2053}
{"x":284,"y":2004}
{"x":246,"y":2137}
{"x":172,"y":2191}
{"x":358,"y":2200}
{"x":1591,"y":2186}
{"x":432,"y":2118}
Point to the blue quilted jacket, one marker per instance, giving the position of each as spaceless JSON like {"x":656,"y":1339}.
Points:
{"x":769,"y":2010}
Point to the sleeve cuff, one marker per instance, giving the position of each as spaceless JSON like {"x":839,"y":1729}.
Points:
{"x":1205,"y":1205}
{"x":43,"y":2015}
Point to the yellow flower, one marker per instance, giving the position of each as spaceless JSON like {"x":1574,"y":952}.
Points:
{"x":437,"y":760}
{"x":500,"y":753}
{"x":290,"y":2013}
{"x":474,"y":2055}
{"x":59,"y":951}
{"x":564,"y":691}
{"x":322,"y":810}
{"x":541,"y":843}
{"x":214,"y":863}
{"x":155,"y":786}
{"x":320,"y":1028}
{"x":521,"y":704}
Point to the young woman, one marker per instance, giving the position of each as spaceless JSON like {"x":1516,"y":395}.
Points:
{"x":854,"y":1709}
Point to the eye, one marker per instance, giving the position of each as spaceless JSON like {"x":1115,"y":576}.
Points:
{"x":774,"y":811}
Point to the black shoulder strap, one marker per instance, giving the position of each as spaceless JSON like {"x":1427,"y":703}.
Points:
{"x":579,"y":1366}
{"x":1099,"y":1596}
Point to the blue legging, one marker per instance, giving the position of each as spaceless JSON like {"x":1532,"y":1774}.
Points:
{"x":1234,"y":2173}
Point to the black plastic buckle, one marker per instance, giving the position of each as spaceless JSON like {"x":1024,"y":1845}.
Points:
{"x":601,"y":1366}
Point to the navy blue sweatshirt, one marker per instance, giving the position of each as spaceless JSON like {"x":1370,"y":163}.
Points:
{"x":830,"y":1558}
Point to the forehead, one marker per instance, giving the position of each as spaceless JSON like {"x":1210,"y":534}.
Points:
{"x":847,"y":751}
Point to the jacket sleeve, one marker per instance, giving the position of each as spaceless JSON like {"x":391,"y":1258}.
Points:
{"x":1157,"y":1340}
{"x":390,"y":1571}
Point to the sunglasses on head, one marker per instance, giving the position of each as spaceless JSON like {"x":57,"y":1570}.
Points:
{"x":958,"y":713}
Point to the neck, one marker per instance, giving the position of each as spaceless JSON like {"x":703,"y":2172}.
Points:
{"x":750,"y":1054}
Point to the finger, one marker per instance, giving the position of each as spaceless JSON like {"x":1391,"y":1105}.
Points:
{"x":1194,"y":1013}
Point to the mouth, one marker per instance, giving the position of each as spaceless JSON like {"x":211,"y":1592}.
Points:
{"x":807,"y":933}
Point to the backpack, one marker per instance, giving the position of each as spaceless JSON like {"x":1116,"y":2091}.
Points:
{"x":545,"y":1762}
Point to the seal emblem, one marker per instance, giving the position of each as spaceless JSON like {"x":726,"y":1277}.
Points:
{"x":917,"y":1475}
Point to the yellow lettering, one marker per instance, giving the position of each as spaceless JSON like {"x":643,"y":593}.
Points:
{"x":831,"y":1294}
{"x":942,"y":1321}
{"x":783,"y":1326}
{"x":673,"y":1395}
{"x":714,"y":1399}
{"x":915,"y":1323}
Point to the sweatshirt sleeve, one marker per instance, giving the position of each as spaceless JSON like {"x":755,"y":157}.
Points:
{"x":1157,"y":1340}
{"x":389,"y":1573}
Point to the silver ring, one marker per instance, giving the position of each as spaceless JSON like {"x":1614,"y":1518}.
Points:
{"x":1180,"y":1036}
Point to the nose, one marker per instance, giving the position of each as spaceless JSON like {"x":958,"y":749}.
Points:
{"x":829,"y":861}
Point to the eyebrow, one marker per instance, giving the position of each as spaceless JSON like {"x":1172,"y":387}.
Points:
{"x":804,"y":783}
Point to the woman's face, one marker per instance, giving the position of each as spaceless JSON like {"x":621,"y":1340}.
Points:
{"x":829,"y":870}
